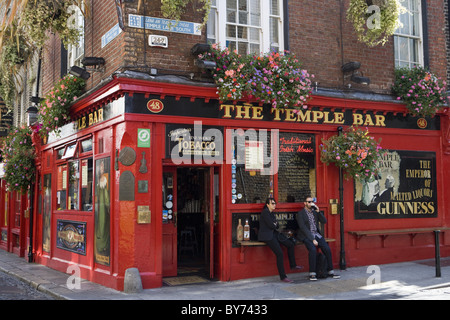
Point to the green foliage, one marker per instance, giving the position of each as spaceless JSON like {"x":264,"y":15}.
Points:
{"x":354,"y":151}
{"x":272,"y":78}
{"x":55,"y":16}
{"x":174,"y":9}
{"x":376,"y":25}
{"x":423,"y":93}
{"x":54,"y":108}
{"x":18,"y":158}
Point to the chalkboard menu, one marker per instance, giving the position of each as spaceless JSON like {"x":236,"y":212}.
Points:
{"x":296,"y":172}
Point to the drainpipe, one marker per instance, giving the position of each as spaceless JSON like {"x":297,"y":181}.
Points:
{"x":342,"y":263}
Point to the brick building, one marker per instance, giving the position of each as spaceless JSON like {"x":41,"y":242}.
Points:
{"x":157,"y":91}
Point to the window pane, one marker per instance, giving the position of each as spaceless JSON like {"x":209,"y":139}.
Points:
{"x":231,"y":31}
{"x":274,"y":31}
{"x":242,"y":48}
{"x":86,"y":145}
{"x":86,"y":184}
{"x":274,"y":8}
{"x":231,"y":4}
{"x":211,"y":26}
{"x":255,"y":13}
{"x":243,"y":17}
{"x":244,"y":14}
{"x":61,"y":188}
{"x":70,"y":151}
{"x":255,"y":49}
{"x":243,"y":5}
{"x":231,"y":16}
{"x":47,"y":212}
{"x":251,"y":151}
{"x":254,"y":34}
{"x":74,"y":178}
{"x":413,"y":50}
{"x":242,"y":32}
{"x":403,"y":48}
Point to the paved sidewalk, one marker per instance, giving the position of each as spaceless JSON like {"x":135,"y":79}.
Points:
{"x":407,"y":280}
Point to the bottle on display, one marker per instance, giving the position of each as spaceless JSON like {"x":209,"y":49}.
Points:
{"x":246,"y":231}
{"x":240,"y":231}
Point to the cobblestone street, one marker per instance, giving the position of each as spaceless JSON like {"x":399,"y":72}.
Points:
{"x":13,"y":289}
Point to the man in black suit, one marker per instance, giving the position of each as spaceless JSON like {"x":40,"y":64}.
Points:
{"x":268,"y":233}
{"x":309,"y":232}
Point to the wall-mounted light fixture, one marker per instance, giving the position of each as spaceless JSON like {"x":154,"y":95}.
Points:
{"x":93,"y":61}
{"x":355,"y":75}
{"x":205,"y":64}
{"x":200,"y":48}
{"x":90,"y":64}
{"x":79,"y":72}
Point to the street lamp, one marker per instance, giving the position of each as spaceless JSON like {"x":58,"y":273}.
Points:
{"x":32,"y":115}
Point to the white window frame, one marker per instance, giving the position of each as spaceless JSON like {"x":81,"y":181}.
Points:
{"x":219,"y":13}
{"x":75,"y":53}
{"x":406,"y":61}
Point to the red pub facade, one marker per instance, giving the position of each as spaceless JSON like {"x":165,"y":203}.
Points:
{"x":154,"y":172}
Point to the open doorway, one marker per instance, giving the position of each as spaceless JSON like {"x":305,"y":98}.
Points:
{"x":193,"y":220}
{"x":188,"y":247}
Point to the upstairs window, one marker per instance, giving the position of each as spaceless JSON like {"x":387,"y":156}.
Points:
{"x":75,"y":53}
{"x":242,"y":25}
{"x":408,"y":39}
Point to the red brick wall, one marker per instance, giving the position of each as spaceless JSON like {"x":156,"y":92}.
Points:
{"x":315,"y":37}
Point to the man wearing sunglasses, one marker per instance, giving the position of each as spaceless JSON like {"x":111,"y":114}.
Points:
{"x":268,"y":233}
{"x":309,"y":232}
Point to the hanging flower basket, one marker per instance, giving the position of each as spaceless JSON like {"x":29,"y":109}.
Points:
{"x":355,"y":151}
{"x":423,"y":93}
{"x":42,"y":16}
{"x":53,"y":111}
{"x":274,"y":78}
{"x":374,"y":20}
{"x":18,"y":157}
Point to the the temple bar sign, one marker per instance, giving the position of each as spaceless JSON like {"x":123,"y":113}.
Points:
{"x":250,"y":112}
{"x":337,"y":116}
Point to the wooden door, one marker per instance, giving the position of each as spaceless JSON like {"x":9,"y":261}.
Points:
{"x":169,"y":243}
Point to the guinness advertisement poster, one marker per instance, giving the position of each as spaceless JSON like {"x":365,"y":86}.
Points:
{"x":404,"y":188}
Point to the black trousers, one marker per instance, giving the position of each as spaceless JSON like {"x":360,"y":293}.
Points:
{"x":312,"y":253}
{"x":275,"y":246}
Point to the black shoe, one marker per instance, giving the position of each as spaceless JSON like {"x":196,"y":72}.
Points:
{"x":297,"y":268}
{"x":334,"y":276}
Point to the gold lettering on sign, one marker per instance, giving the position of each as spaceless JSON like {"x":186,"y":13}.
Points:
{"x":89,"y":119}
{"x":247,"y":111}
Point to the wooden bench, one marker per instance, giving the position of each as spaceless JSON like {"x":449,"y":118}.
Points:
{"x":249,"y":243}
{"x":412,"y":232}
